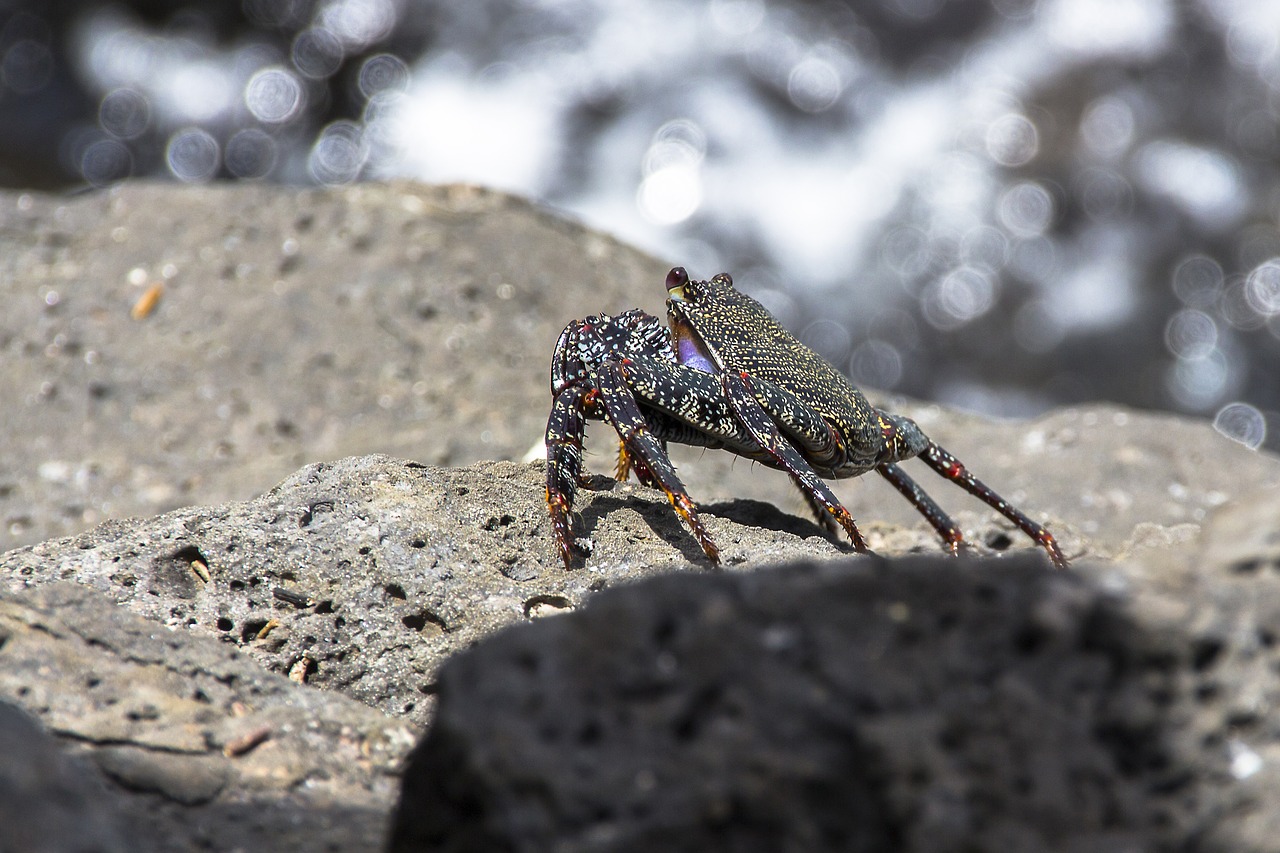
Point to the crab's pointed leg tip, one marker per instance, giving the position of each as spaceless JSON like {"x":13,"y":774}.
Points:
{"x":1055,"y":552}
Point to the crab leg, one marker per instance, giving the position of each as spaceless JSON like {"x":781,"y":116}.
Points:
{"x":565,"y":431}
{"x":738,"y":390}
{"x":691,"y":406}
{"x":730,"y":411}
{"x":644,"y":450}
{"x":941,"y":522}
{"x":954,"y":470}
{"x":802,"y":426}
{"x":627,"y":463}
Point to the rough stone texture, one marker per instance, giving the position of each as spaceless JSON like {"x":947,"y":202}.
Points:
{"x":295,"y":326}
{"x":301,"y":331}
{"x":371,"y":570}
{"x":917,"y":704}
{"x":204,"y":749}
{"x":305,"y":325}
{"x":861,"y":706}
{"x":375,"y":570}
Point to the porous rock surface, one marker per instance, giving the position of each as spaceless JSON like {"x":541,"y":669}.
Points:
{"x":247,"y":664}
{"x":292,"y":326}
{"x":363,"y":574}
{"x":296,"y":326}
{"x":189,"y":744}
{"x":904,"y":705}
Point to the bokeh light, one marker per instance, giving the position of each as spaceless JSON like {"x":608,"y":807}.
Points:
{"x":828,"y":338}
{"x":1197,"y":281}
{"x":876,"y":364}
{"x":274,"y":95}
{"x":105,"y":161}
{"x":1243,"y":423}
{"x":25,"y":66}
{"x":1026,"y":209}
{"x":124,"y":113}
{"x":1199,"y":384}
{"x":383,"y":72}
{"x":814,"y":84}
{"x":250,"y":153}
{"x":338,"y":154}
{"x":193,"y":155}
{"x":357,"y":23}
{"x":1203,"y":182}
{"x":1108,"y":126}
{"x":671,"y":190}
{"x":1191,"y":334}
{"x":317,"y":53}
{"x":1012,"y":140}
{"x":1262,"y":290}
{"x":1105,"y":194}
{"x":737,"y":18}
{"x":960,"y":297}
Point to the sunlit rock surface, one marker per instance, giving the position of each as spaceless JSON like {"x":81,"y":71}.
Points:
{"x":292,"y":390}
{"x":169,"y":345}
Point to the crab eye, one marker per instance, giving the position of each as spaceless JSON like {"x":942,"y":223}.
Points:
{"x":723,"y":279}
{"x":676,"y":281}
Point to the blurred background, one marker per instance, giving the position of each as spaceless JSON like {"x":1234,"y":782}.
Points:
{"x":1004,"y":205}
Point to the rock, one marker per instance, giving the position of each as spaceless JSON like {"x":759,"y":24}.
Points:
{"x":364,"y":574}
{"x":246,"y":664}
{"x":191,"y":780}
{"x":294,"y":326}
{"x":50,"y":802}
{"x":205,"y":747}
{"x":305,"y":325}
{"x":917,"y":704}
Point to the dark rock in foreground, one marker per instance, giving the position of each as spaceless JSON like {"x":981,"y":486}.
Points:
{"x":914,"y":705}
{"x":49,"y":802}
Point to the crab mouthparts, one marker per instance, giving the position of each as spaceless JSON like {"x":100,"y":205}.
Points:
{"x":689,"y":350}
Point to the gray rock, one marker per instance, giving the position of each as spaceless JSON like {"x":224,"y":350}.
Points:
{"x":175,"y":656}
{"x":203,"y":746}
{"x":375,"y":570}
{"x":295,"y":326}
{"x":918,"y":704}
{"x":191,"y":780}
{"x":306,"y":325}
{"x":364,"y":574}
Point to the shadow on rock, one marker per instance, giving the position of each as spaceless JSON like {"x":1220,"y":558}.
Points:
{"x":923,"y":704}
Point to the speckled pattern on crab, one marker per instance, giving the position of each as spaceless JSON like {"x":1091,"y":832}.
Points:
{"x":726,"y":374}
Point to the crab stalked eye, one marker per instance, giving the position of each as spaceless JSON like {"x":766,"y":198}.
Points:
{"x":677,"y":280}
{"x":723,"y":278}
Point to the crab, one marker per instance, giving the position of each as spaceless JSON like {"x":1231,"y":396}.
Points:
{"x":723,"y":373}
